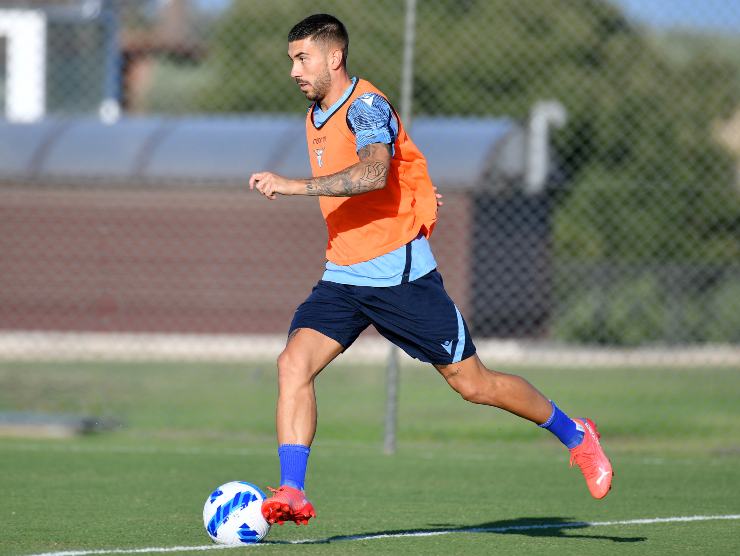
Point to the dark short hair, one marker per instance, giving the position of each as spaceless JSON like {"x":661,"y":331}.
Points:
{"x":323,"y":28}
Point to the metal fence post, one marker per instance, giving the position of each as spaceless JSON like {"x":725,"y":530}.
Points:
{"x":407,"y":88}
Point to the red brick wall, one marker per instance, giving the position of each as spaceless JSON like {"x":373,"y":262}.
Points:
{"x":174,"y":260}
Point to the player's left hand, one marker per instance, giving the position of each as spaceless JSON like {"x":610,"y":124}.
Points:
{"x":271,"y":185}
{"x":439,"y":197}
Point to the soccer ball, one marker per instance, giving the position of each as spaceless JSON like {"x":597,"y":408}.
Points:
{"x":233,"y":514}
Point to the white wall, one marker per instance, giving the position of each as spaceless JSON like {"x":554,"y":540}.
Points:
{"x":25,"y":82}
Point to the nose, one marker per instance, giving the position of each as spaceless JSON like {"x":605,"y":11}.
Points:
{"x":295,"y":70}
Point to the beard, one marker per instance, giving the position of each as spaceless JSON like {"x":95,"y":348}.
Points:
{"x":320,"y":87}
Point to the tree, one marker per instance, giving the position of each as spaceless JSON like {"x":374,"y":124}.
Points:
{"x":648,"y":193}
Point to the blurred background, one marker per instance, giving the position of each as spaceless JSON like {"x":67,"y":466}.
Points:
{"x":588,"y":152}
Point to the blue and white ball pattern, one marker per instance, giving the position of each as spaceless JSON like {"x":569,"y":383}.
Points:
{"x":233,"y":514}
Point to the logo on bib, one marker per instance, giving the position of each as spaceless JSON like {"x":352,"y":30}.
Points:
{"x":319,"y":154}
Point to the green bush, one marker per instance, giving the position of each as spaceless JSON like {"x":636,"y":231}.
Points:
{"x":628,"y":315}
{"x":723,"y":326}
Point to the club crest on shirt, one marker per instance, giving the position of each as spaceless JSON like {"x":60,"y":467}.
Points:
{"x":319,"y":154}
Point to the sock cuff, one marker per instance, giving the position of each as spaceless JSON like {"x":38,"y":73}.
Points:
{"x":300,"y":448}
{"x":552,"y":416}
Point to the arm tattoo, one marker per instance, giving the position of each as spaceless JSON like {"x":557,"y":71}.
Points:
{"x":367,"y":175}
{"x":366,"y":152}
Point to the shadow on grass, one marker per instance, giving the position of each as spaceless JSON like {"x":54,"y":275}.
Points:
{"x":529,"y":526}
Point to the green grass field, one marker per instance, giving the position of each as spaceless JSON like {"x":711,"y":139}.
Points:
{"x":672,"y":434}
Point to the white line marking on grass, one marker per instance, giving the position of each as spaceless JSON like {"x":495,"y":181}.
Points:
{"x":531,"y":527}
{"x":417,"y":533}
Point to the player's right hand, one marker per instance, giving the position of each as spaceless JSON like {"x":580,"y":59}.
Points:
{"x":269,"y":184}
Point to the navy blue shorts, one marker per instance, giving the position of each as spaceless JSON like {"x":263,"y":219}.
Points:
{"x":419,"y":317}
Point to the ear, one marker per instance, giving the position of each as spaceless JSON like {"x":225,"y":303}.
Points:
{"x":335,"y":58}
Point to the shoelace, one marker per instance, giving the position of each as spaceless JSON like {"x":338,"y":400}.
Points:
{"x":585,"y":459}
{"x":586,"y":462}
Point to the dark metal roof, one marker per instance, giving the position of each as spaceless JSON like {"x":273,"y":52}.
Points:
{"x":460,"y":152}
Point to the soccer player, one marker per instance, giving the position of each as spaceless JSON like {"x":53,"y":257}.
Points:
{"x":380,"y":208}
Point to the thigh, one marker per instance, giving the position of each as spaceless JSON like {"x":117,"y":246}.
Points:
{"x":331,"y":311}
{"x":420,"y":318}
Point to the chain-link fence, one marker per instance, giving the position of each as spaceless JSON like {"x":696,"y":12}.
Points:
{"x":590,"y":162}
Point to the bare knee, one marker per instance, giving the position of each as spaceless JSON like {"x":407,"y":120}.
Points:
{"x":292,"y":369}
{"x":484,"y":388}
{"x":474,"y":389}
{"x":469,"y":391}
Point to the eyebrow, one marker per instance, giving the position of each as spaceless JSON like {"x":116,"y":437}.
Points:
{"x":301,"y":53}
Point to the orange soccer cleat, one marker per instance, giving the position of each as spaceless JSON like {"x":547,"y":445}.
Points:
{"x":287,"y":504}
{"x":590,"y":457}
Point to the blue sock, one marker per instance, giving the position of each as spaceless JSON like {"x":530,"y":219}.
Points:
{"x":293,"y":461}
{"x":562,"y":426}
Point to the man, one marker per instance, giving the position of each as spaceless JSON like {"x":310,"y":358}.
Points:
{"x":380,"y":208}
